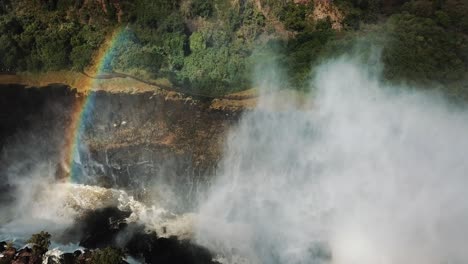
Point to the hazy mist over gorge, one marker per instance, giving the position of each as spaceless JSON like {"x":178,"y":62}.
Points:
{"x":355,"y":172}
{"x":233,"y":132}
{"x":369,"y":174}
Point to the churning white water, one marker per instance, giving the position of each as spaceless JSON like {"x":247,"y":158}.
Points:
{"x":54,"y":207}
{"x":367,"y":174}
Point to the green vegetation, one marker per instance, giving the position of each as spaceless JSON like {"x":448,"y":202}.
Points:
{"x":294,"y":15}
{"x":428,"y":44}
{"x":41,"y":242}
{"x":34,"y":45}
{"x":210,"y":46}
{"x":107,"y":255}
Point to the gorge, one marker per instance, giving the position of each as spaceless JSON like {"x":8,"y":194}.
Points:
{"x":233,"y":132}
{"x":346,"y":175}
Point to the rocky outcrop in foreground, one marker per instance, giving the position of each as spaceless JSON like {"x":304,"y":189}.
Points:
{"x":104,"y":237}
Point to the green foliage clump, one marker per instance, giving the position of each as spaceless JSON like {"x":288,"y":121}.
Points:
{"x":423,"y":51}
{"x":4,"y":6}
{"x":359,"y":12}
{"x":84,"y":43}
{"x":202,"y":8}
{"x":214,"y":66}
{"x":174,"y":50}
{"x":53,"y":47}
{"x":323,"y":24}
{"x":33,"y":44}
{"x":294,"y":15}
{"x":276,"y":6}
{"x":108,"y":255}
{"x":246,"y":21}
{"x":457,"y":10}
{"x":129,"y":53}
{"x":150,"y":13}
{"x":10,"y":51}
{"x":420,"y":8}
{"x":302,"y":52}
{"x":424,"y":43}
{"x":207,"y":47}
{"x":213,"y":71}
{"x":41,"y":242}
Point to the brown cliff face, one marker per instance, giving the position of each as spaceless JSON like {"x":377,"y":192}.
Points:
{"x":148,"y":134}
{"x":129,"y":140}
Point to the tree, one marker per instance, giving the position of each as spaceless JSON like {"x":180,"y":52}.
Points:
{"x":41,"y":242}
{"x":108,"y":255}
{"x":202,"y":8}
{"x":151,"y":13}
{"x":84,"y":44}
{"x":213,"y":71}
{"x":419,"y":50}
{"x":4,"y":6}
{"x":174,"y":46}
{"x":9,"y":53}
{"x":293,"y":15}
{"x":53,"y":45}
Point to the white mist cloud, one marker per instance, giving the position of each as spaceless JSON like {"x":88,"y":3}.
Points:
{"x":370,"y":174}
{"x":39,"y":204}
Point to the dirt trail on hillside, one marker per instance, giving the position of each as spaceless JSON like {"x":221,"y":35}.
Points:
{"x":121,"y":83}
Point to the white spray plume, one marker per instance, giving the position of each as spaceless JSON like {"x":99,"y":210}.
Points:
{"x":370,"y":174}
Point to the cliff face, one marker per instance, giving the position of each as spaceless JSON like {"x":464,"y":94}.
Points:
{"x":136,"y":139}
{"x":130,"y":141}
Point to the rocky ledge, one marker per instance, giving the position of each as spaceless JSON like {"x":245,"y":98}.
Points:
{"x":104,"y":237}
{"x":129,"y":139}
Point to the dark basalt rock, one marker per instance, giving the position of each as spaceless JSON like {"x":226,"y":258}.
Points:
{"x":154,"y":249}
{"x":77,"y":253}
{"x":99,"y":228}
{"x":27,"y":256}
{"x":84,"y":258}
{"x":107,"y":227}
{"x":3,"y":246}
{"x":172,"y":250}
{"x":8,"y":254}
{"x":67,"y":258}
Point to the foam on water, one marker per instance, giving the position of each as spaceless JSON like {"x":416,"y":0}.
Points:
{"x":55,"y":208}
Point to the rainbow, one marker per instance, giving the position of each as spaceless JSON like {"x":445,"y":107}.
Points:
{"x":83,"y":107}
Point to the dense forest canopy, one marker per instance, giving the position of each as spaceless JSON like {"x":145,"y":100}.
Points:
{"x":210,"y":46}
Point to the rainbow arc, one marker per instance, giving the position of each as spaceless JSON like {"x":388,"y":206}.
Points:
{"x":83,"y":107}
